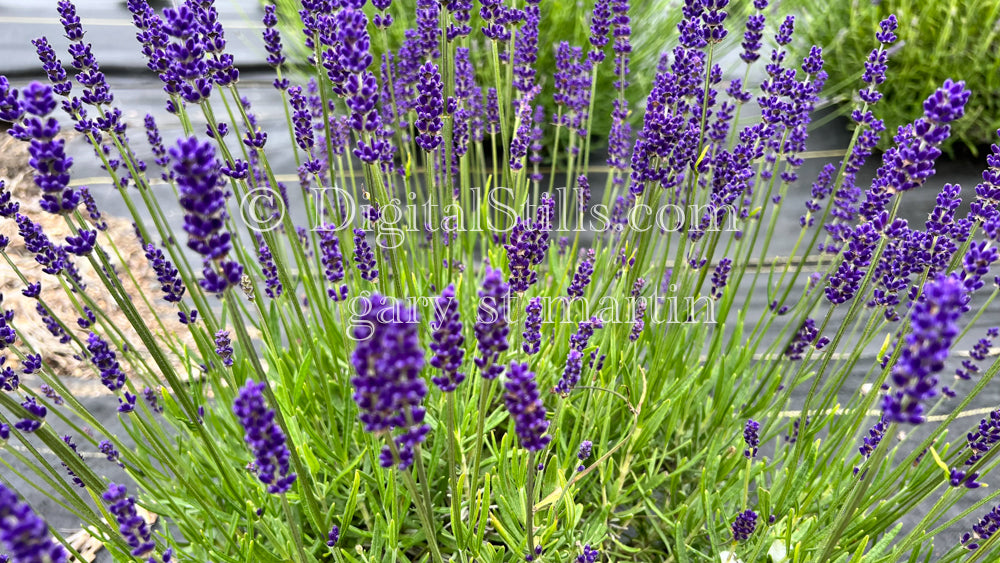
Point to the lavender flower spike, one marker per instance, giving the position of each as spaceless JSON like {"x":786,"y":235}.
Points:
{"x":751,"y":438}
{"x":23,"y":535}
{"x":48,"y":156}
{"x":935,"y":325}
{"x":132,"y":527}
{"x":388,"y":387}
{"x":532,"y":326}
{"x":448,"y":341}
{"x":264,"y":437}
{"x":744,"y":525}
{"x":204,"y":203}
{"x":104,"y":360}
{"x":492,"y":321}
{"x":526,"y":408}
{"x":224,"y":347}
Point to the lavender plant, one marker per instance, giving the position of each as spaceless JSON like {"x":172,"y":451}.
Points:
{"x":391,"y":361}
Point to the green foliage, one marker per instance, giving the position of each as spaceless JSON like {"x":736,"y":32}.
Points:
{"x":958,"y":39}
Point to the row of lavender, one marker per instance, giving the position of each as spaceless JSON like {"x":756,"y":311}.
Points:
{"x":584,"y":396}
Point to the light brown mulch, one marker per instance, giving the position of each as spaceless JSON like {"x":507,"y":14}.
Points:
{"x":15,"y":172}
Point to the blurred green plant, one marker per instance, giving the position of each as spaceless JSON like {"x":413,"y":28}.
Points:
{"x":938,"y":40}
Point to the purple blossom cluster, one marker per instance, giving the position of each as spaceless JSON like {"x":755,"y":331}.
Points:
{"x":492,"y":323}
{"x":751,"y":438}
{"x":388,"y":388}
{"x":265,"y":438}
{"x":448,"y":341}
{"x":333,"y":261}
{"x":204,"y":202}
{"x":872,"y":440}
{"x":48,"y":155}
{"x":106,"y":363}
{"x":527,"y":245}
{"x":131,"y":526}
{"x":23,"y":534}
{"x":364,"y":257}
{"x":934,"y":324}
{"x":581,"y":279}
{"x":532,"y":326}
{"x":224,"y":347}
{"x":526,"y":408}
{"x":982,"y":530}
{"x":744,"y":525}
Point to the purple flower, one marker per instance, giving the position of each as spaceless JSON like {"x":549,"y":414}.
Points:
{"x":364,"y":258}
{"x":388,"y":387}
{"x":581,"y":279}
{"x":982,"y":439}
{"x":751,"y":38}
{"x":600,"y":27}
{"x":526,"y":408}
{"x":876,"y":66}
{"x":7,"y":333}
{"x":37,"y":413}
{"x":583,"y":453}
{"x":51,"y":394}
{"x":589,"y":555}
{"x":585,"y":329}
{"x":272,"y":285}
{"x":571,"y":373}
{"x":170,"y":280}
{"x":448,"y":342}
{"x":52,"y":66}
{"x":532,"y":326}
{"x":934,"y":323}
{"x":460,"y":11}
{"x":961,"y":478}
{"x":492,"y":323}
{"x":744,"y":525}
{"x":224,"y":347}
{"x":73,"y":476}
{"x":32,"y":290}
{"x":496,"y":17}
{"x":333,"y":537}
{"x":804,"y":337}
{"x":272,"y":39}
{"x":751,"y":439}
{"x":333,"y":261}
{"x":522,"y":135}
{"x":526,"y":51}
{"x":106,"y":363}
{"x":9,"y":379}
{"x":48,"y":156}
{"x":54,"y":327}
{"x":126,"y":403}
{"x":638,"y":324}
{"x":110,"y":452}
{"x":265,"y":438}
{"x":197,"y":172}
{"x":152,"y":399}
{"x":719,"y":277}
{"x":978,"y":353}
{"x":845,"y":282}
{"x":527,"y":244}
{"x":982,"y":530}
{"x":430,"y":106}
{"x":25,"y":537}
{"x":872,"y":440}
{"x":132,"y":527}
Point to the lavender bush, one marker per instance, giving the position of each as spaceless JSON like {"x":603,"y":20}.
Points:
{"x":429,"y":351}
